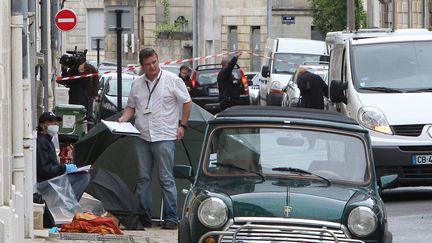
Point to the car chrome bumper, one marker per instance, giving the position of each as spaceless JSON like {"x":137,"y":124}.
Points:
{"x":281,"y":229}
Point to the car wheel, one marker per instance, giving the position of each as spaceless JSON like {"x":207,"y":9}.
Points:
{"x":183,"y":232}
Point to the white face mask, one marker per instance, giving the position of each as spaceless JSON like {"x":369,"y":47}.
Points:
{"x":52,"y":130}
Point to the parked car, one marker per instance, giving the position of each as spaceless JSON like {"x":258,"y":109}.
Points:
{"x":254,"y":89}
{"x":383,"y":80}
{"x":285,"y":54}
{"x":249,"y":76}
{"x":106,"y":104}
{"x":172,"y":68}
{"x":269,"y":174}
{"x":291,"y":92}
{"x":104,"y":66}
{"x":205,"y":91}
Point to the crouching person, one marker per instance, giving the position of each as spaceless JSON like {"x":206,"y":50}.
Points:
{"x":48,"y":166}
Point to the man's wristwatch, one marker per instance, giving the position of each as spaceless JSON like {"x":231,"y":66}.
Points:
{"x":184,"y":126}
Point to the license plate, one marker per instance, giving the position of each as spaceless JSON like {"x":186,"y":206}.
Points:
{"x":213,"y":91}
{"x":422,"y":159}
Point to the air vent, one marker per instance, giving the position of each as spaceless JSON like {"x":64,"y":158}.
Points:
{"x":408,"y":130}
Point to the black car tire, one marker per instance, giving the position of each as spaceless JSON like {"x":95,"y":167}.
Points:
{"x":183,"y":232}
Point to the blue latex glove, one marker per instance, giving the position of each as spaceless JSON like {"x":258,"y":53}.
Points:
{"x":53,"y":230}
{"x":71,"y":168}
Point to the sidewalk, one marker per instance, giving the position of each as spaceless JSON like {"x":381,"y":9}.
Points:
{"x":149,"y":235}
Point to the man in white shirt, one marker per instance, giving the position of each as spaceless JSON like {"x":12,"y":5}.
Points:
{"x":154,"y":100}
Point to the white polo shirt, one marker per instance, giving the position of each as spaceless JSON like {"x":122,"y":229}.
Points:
{"x":164,"y":105}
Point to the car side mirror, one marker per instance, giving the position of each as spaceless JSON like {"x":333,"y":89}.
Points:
{"x":388,"y":181}
{"x":183,"y":172}
{"x":337,"y":91}
{"x":265,"y":72}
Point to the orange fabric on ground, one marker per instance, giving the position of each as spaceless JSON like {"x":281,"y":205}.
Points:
{"x":90,"y":223}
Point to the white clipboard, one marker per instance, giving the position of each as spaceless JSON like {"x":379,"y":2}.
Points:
{"x":121,"y":128}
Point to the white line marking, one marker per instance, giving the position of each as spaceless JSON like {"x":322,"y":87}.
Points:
{"x":66,"y":20}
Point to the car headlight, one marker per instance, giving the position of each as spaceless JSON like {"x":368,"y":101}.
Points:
{"x":362,"y":221}
{"x":213,"y":212}
{"x":276,"y":85}
{"x":374,"y":119}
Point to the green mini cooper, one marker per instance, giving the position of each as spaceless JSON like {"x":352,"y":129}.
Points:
{"x":269,"y":174}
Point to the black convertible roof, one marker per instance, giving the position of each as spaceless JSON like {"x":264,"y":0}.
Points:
{"x":282,"y":112}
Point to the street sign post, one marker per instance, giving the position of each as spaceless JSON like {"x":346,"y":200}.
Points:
{"x":66,"y":19}
{"x":120,"y":20}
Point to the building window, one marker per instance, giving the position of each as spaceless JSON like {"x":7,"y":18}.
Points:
{"x":232,"y":38}
{"x":96,"y":28}
{"x":209,"y":49}
{"x":255,"y":47}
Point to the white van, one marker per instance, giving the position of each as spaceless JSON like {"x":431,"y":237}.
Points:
{"x":385,"y":83}
{"x":283,"y":55}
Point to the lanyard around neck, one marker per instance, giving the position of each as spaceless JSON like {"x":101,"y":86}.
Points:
{"x":153,"y":89}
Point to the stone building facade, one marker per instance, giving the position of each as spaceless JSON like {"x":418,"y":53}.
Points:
{"x":402,"y":14}
{"x":223,"y":25}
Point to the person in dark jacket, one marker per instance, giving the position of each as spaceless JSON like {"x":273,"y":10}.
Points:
{"x":229,"y":92}
{"x":47,"y":164}
{"x":82,"y":90}
{"x":185,"y":76}
{"x":312,"y":89}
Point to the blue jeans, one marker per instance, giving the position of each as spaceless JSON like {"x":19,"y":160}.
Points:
{"x":160,"y":154}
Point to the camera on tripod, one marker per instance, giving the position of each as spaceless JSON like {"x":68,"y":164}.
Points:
{"x":73,"y":59}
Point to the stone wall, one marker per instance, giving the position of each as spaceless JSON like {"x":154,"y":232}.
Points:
{"x":174,"y":46}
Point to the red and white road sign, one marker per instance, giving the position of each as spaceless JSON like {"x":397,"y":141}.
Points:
{"x":66,"y":19}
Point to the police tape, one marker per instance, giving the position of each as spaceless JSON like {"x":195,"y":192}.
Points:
{"x":274,"y":59}
{"x":60,"y":78}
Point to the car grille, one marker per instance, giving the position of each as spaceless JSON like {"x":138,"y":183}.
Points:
{"x":283,"y":230}
{"x":408,"y":130}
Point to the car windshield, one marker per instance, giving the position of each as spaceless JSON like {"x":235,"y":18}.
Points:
{"x":205,"y":77}
{"x":318,"y":71}
{"x":402,"y":67}
{"x":280,"y":66}
{"x":330,"y":155}
{"x":126,"y":86}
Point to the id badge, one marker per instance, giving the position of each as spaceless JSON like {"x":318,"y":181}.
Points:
{"x":146,"y":111}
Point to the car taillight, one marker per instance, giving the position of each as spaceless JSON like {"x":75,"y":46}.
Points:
{"x":244,"y":82}
{"x":194,"y":82}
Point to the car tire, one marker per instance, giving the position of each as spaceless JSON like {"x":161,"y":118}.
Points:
{"x":183,"y":232}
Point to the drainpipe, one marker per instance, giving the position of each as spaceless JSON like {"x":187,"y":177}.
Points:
{"x":423,"y":13}
{"x":138,"y":43}
{"x":269,"y":18}
{"x":44,"y":43}
{"x":32,"y":55}
{"x":194,"y":32}
{"x":28,"y":139}
{"x":17,"y":116}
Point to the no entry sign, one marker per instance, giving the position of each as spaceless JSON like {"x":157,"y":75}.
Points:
{"x":66,"y":19}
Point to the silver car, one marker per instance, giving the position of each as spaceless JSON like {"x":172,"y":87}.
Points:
{"x":254,"y":89}
{"x":291,"y":93}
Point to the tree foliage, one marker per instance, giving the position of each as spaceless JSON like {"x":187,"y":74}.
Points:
{"x":330,"y":15}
